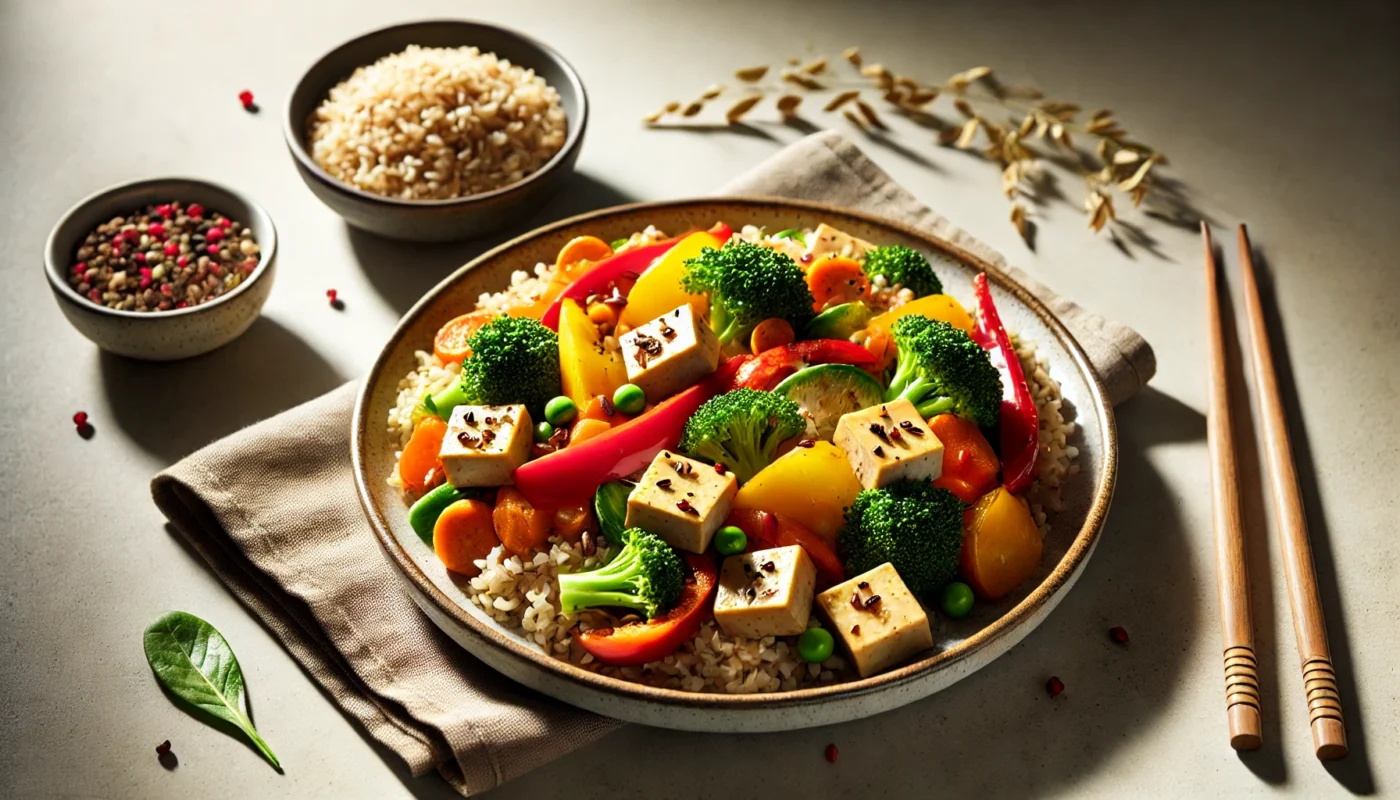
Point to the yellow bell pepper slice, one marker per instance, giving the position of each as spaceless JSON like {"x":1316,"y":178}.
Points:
{"x":659,"y":290}
{"x":809,"y":485}
{"x":585,"y":368}
{"x":935,"y":306}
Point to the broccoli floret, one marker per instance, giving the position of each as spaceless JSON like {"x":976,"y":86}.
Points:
{"x":910,"y":524}
{"x":942,"y":371}
{"x":742,"y":429}
{"x":748,"y":284}
{"x":646,"y":575}
{"x":904,"y":266}
{"x":513,"y":360}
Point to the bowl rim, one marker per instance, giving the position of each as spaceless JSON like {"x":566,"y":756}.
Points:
{"x":573,"y":135}
{"x":1063,"y":573}
{"x":57,"y":275}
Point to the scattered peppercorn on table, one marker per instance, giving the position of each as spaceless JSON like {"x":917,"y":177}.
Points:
{"x":1109,"y":697}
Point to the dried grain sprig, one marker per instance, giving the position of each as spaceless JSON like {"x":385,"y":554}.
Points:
{"x":1004,"y":116}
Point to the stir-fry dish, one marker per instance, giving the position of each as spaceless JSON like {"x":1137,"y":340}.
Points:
{"x":732,"y":461}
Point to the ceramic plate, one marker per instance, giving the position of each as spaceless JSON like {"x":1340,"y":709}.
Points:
{"x":961,"y":647}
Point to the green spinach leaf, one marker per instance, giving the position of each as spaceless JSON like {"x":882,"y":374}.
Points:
{"x":194,"y":661}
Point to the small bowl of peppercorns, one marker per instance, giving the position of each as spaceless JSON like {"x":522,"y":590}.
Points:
{"x":162,"y":269}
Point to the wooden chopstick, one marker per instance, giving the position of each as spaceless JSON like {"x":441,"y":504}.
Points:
{"x":1236,"y":622}
{"x":1319,"y":677}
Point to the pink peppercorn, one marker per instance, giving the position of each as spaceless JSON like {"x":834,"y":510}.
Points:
{"x":145,"y":281}
{"x":80,"y":419}
{"x":140,"y":258}
{"x":213,"y":249}
{"x":163,"y":748}
{"x":195,"y":210}
{"x":181,"y":304}
{"x":831,"y":753}
{"x":182,"y":261}
{"x":171,"y":249}
{"x":1054,"y":686}
{"x":225,"y":223}
{"x":165,"y":289}
{"x":155,"y":229}
{"x":116,"y":249}
{"x":165,"y":210}
{"x":1118,"y":634}
{"x":246,"y":98}
{"x":94,"y":295}
{"x":215,"y":234}
{"x":79,"y":268}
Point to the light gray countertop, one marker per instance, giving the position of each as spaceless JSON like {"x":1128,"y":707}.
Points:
{"x":1283,"y":115}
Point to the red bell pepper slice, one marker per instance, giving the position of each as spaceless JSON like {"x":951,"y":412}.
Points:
{"x":1019,"y":420}
{"x":766,"y":530}
{"x":767,"y":369}
{"x":643,"y":642}
{"x":596,"y":279}
{"x":722,"y":232}
{"x":570,"y":476}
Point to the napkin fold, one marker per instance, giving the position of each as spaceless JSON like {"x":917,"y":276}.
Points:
{"x":273,"y":511}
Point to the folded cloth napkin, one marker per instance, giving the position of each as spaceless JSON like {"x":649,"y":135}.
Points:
{"x":273,"y":511}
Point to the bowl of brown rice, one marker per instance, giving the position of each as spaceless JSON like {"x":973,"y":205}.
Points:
{"x":436,"y":130}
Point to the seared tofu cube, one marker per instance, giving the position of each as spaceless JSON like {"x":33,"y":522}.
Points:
{"x":877,"y":618}
{"x":889,"y":442}
{"x":484,"y":444}
{"x":766,"y":592}
{"x":670,"y":353}
{"x":681,"y":500}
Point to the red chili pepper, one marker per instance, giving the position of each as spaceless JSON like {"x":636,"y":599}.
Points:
{"x":766,"y":530}
{"x":644,"y":642}
{"x":767,"y":369}
{"x":1019,"y":420}
{"x":722,"y":232}
{"x":596,"y":279}
{"x":570,"y":476}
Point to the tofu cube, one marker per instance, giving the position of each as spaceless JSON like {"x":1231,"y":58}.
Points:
{"x":882,"y":634}
{"x":670,"y":353}
{"x":766,"y":592}
{"x":484,"y":444}
{"x":681,"y":500}
{"x":889,"y":442}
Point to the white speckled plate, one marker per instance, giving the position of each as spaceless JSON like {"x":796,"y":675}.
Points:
{"x":961,"y":647}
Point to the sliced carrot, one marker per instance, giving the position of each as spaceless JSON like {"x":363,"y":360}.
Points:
{"x":770,"y":333}
{"x":450,"y":344}
{"x":597,"y":409}
{"x":463,"y":533}
{"x":580,"y":253}
{"x":521,"y":527}
{"x":586,"y":429}
{"x":879,"y":343}
{"x":571,"y":521}
{"x":837,"y":280}
{"x":419,"y":464}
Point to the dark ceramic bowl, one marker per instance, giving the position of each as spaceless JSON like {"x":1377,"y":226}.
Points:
{"x":436,"y":220}
{"x":161,"y":335}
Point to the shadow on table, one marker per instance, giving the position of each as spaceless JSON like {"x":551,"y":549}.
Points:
{"x":1010,"y":738}
{"x":173,"y":408}
{"x":1354,"y":772}
{"x":401,"y":272}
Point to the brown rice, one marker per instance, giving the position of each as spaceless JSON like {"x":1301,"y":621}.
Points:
{"x":434,"y":123}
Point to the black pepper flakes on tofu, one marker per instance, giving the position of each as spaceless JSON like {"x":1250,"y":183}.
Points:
{"x":664,"y":483}
{"x":879,"y":431}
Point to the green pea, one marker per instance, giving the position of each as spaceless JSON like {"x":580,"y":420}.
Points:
{"x":560,"y":411}
{"x":543,"y":430}
{"x":815,"y":645}
{"x":730,"y":540}
{"x":957,"y":599}
{"x":629,"y":398}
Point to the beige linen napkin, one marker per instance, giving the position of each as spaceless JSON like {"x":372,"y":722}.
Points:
{"x":273,"y":511}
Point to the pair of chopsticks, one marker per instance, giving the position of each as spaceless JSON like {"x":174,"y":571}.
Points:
{"x":1241,"y":665}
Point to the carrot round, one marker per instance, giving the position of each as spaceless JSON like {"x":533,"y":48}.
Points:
{"x":571,"y":521}
{"x":463,"y":533}
{"x":834,"y":281}
{"x":770,"y":333}
{"x":586,"y":429}
{"x":450,"y":343}
{"x":577,"y":254}
{"x":520,"y":526}
{"x":419,"y":465}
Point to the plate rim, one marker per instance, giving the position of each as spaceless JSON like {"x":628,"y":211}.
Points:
{"x":1078,"y":551}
